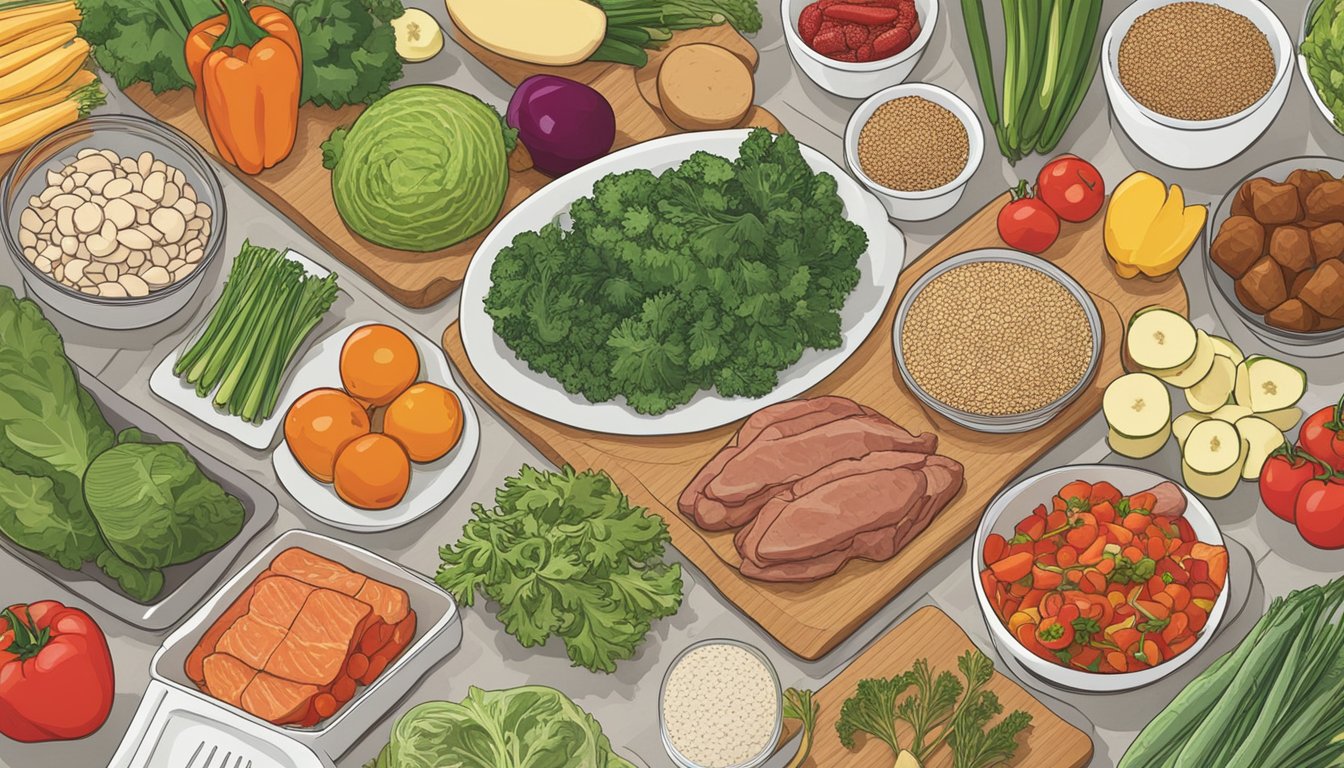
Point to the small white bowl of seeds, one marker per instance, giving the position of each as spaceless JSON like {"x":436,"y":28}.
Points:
{"x":720,"y":706}
{"x":915,"y":146}
{"x":1193,"y":84}
{"x":113,"y":220}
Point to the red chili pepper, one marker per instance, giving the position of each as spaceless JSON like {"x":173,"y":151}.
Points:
{"x":1281,"y":480}
{"x":56,"y":678}
{"x":867,"y":15}
{"x":892,"y":42}
{"x":1319,"y":512}
{"x":1322,"y":435}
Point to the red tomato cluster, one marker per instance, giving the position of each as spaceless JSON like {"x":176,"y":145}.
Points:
{"x":859,"y":30}
{"x":1305,"y":484}
{"x":1067,"y":188}
{"x":1102,"y":582}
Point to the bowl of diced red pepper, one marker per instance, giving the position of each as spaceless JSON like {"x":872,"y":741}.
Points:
{"x":855,"y":48}
{"x":1100,"y":578}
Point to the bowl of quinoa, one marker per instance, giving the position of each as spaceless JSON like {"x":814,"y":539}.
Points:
{"x":997,"y":340}
{"x":721,"y":706}
{"x":914,"y":146}
{"x":1194,"y":83}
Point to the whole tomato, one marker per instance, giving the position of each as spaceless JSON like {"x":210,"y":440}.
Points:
{"x":1027,"y":223}
{"x":1072,"y":187}
{"x":56,"y":677}
{"x":1282,"y":479}
{"x":1320,"y":511}
{"x":1322,"y":435}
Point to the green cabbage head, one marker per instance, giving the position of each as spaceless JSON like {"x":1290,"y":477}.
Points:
{"x":424,"y":168}
{"x":154,"y":506}
{"x":528,"y":727}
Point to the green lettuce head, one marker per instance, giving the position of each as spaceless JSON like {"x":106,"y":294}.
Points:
{"x":528,"y":727}
{"x":422,"y":169}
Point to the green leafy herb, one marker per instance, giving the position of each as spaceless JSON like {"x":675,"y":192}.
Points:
{"x":1323,"y":48}
{"x":563,"y":553}
{"x":716,"y":274}
{"x":349,"y":47}
{"x":799,"y":705}
{"x":932,"y":710}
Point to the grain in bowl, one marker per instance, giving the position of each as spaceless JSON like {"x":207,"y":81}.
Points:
{"x":912,"y":144}
{"x":721,"y":706}
{"x":996,"y":338}
{"x":1195,"y":61}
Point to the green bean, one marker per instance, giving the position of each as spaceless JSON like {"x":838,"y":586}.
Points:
{"x":978,"y":37}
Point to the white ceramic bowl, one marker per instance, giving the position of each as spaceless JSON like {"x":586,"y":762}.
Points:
{"x":757,"y":761}
{"x":1195,"y":144}
{"x":856,"y":80}
{"x":1017,"y":502}
{"x":929,"y":203}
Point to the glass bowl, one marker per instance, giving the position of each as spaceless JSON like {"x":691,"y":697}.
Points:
{"x":1011,"y":423}
{"x":756,"y":761}
{"x":125,"y":135}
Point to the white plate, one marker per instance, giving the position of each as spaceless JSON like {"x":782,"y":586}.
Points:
{"x":510,"y":377}
{"x":177,"y":392}
{"x":430,"y":483}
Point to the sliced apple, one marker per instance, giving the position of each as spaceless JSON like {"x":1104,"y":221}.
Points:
{"x":1161,"y":340}
{"x":1284,"y":418}
{"x":1226,"y":348}
{"x":1262,"y":438}
{"x":1214,"y":455}
{"x":1212,"y":392}
{"x":1184,"y":423}
{"x":1199,"y":366}
{"x":1265,"y":384}
{"x":1138,"y":447}
{"x":1137,"y":405}
{"x":1231,"y":412}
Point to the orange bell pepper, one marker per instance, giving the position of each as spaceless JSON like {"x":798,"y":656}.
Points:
{"x":248,"y":69}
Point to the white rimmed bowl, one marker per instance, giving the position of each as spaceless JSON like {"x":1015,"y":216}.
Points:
{"x":1016,"y":502}
{"x":768,"y":751}
{"x":926,"y":204}
{"x":856,"y":80}
{"x":1196,"y":144}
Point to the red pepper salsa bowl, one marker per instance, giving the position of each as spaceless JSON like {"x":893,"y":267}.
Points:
{"x":866,"y":45}
{"x":1100,"y":578}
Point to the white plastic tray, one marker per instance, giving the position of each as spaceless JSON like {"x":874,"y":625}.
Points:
{"x":430,"y":483}
{"x":172,"y":389}
{"x":438,"y":632}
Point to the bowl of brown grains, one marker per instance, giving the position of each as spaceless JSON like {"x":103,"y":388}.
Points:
{"x":914,"y":146}
{"x":1194,"y":84}
{"x":997,"y":340}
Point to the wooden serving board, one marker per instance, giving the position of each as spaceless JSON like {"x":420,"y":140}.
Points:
{"x":811,"y":619}
{"x":300,"y":188}
{"x":1049,"y":742}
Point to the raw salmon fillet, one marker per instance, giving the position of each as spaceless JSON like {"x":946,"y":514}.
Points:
{"x":296,"y":643}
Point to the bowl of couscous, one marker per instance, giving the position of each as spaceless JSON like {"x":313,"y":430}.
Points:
{"x":997,"y":340}
{"x":915,"y":146}
{"x":1194,"y":84}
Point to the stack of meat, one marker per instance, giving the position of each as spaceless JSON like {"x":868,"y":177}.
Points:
{"x":292,"y":648}
{"x":813,"y":484}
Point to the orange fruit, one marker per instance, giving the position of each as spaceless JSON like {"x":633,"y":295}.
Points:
{"x":319,"y":425}
{"x":372,"y":472}
{"x":426,"y":419}
{"x":378,"y":362}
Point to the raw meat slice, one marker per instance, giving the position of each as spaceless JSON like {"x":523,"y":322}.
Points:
{"x":226,"y":678}
{"x":388,"y":603}
{"x":251,"y":641}
{"x":276,"y":700}
{"x":206,"y":646}
{"x":318,"y":571}
{"x":277,"y":600}
{"x":772,"y":462}
{"x":322,"y":636}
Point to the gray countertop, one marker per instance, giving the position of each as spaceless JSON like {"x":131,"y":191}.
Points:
{"x":626,"y":702}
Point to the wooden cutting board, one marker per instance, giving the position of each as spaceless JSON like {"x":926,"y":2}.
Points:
{"x":811,"y":619}
{"x":300,"y":188}
{"x":1049,"y":742}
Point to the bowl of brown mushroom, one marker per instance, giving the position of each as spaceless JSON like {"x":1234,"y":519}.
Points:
{"x":113,"y":221}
